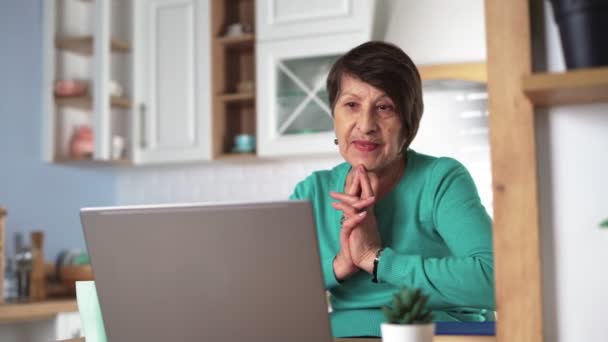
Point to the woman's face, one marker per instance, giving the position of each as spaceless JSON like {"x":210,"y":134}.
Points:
{"x":368,"y":128}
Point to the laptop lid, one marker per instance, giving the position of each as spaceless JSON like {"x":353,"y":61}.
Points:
{"x":220,"y":272}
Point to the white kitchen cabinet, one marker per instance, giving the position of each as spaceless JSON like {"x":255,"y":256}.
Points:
{"x":62,"y":326}
{"x":294,"y":116}
{"x":297,"y":43}
{"x":67,"y":326}
{"x":171,"y":120}
{"x":288,"y":19}
{"x":156,"y":51}
{"x":435,"y":32}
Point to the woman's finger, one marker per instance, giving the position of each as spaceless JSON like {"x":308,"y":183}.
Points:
{"x":350,"y":199}
{"x":366,"y":186}
{"x":355,"y":186}
{"x":351,"y":222}
{"x":350,"y":210}
{"x":347,"y":210}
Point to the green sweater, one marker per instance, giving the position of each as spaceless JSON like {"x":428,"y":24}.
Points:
{"x":437,"y":237}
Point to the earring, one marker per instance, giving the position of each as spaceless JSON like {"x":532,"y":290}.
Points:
{"x":335,"y":141}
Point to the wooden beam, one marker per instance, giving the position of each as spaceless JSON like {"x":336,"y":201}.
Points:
{"x":571,"y":87}
{"x":512,"y":137}
{"x":476,"y":72}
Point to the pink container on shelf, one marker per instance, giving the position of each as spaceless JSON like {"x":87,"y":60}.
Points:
{"x":69,"y":88}
{"x":81,"y":143}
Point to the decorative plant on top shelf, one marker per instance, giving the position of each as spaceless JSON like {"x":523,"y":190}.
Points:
{"x":408,"y":318}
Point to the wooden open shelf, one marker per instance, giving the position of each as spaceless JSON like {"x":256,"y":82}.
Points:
{"x":237,"y":157}
{"x":237,"y":97}
{"x":86,"y":102}
{"x":35,"y":310}
{"x":90,"y":162}
{"x":244,"y":39}
{"x":84,"y":45}
{"x":571,"y":87}
{"x":476,"y":72}
{"x":233,"y":60}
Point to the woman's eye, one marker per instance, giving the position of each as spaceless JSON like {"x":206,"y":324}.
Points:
{"x":385,"y":108}
{"x":351,"y":104}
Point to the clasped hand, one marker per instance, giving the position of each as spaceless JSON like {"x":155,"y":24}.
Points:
{"x":359,"y":237}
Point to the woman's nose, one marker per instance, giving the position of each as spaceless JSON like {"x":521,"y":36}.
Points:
{"x":367,"y":122}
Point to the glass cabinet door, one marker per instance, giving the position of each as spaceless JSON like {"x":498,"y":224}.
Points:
{"x":301,"y":98}
{"x":292,"y":106}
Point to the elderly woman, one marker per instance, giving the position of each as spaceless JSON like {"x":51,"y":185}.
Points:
{"x":390,"y":217}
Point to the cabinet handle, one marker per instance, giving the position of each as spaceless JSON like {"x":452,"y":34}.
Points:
{"x":142,"y":125}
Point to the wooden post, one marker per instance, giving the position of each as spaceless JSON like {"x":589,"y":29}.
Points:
{"x":2,"y":252}
{"x":517,"y":262}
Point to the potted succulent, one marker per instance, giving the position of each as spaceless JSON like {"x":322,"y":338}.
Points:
{"x":408,"y":319}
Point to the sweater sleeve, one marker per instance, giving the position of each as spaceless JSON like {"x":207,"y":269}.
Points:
{"x":466,"y":278}
{"x":305,"y":190}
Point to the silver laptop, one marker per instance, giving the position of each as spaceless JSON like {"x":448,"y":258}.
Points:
{"x":217,"y":273}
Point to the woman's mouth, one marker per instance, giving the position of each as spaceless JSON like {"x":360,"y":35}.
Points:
{"x":365,"y":146}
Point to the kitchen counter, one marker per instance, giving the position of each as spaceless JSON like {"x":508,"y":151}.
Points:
{"x":439,"y":338}
{"x":17,"y":312}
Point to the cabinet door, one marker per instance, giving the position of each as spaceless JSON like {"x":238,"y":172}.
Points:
{"x":293,"y":113}
{"x":171,"y":120}
{"x":67,"y":326}
{"x":282,"y":19}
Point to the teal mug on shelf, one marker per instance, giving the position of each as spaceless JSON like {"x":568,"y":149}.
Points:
{"x":244,"y":143}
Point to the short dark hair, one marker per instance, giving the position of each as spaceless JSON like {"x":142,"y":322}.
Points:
{"x":386,"y":67}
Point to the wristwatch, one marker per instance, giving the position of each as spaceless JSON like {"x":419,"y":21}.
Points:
{"x":376,"y":260}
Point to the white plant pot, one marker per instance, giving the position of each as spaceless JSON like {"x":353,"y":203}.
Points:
{"x":407,"y":332}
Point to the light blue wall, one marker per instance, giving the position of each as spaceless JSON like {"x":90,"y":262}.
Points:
{"x":37,"y":195}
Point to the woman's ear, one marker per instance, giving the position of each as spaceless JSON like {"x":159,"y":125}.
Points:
{"x":403,"y":143}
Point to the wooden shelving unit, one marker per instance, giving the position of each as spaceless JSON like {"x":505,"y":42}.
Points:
{"x":66,"y":40}
{"x":84,"y":45}
{"x":476,"y":72}
{"x":566,"y":88}
{"x":86,"y":102}
{"x":233,"y":60}
{"x":514,"y":90}
{"x":36,"y":310}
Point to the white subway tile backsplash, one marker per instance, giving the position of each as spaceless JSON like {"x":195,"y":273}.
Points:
{"x":216,"y":182}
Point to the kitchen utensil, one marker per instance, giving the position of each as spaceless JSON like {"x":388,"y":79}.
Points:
{"x":37,"y":278}
{"x":71,"y":273}
{"x":2,"y":253}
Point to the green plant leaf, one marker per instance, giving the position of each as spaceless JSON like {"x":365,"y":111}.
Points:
{"x":407,"y":318}
{"x":427,"y":317}
{"x":409,"y":306}
{"x":390,"y":316}
{"x":397,"y":303}
{"x":604,"y":224}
